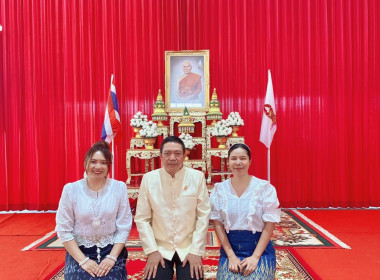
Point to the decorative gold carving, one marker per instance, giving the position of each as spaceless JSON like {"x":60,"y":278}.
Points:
{"x":208,"y":136}
{"x":196,"y":163}
{"x":163,"y":130}
{"x":186,"y":123}
{"x":214,"y":113}
{"x":205,"y":163}
{"x":136,"y":142}
{"x":195,"y":120}
{"x":159,"y":113}
{"x":234,"y":140}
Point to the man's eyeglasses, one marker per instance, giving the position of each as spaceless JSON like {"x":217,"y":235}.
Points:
{"x":176,"y":154}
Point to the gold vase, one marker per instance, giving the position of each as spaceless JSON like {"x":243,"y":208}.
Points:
{"x":137,"y":131}
{"x":149,"y":143}
{"x":187,"y":153}
{"x":235,"y":129}
{"x":222,"y":142}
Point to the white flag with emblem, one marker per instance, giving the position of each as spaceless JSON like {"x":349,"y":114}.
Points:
{"x":268,"y":123}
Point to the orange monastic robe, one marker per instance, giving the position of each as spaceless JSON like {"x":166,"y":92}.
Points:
{"x":189,"y":86}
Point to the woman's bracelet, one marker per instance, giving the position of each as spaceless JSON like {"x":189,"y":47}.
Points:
{"x":111,"y":257}
{"x":84,"y":261}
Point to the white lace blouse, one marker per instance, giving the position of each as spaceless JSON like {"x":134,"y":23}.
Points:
{"x":94,"y":218}
{"x":258,"y":204}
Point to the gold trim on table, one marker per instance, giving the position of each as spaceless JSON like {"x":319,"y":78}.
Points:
{"x":234,"y":140}
{"x":136,"y":142}
{"x":196,"y":163}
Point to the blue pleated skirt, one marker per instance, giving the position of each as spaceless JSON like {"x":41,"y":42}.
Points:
{"x":244,"y":243}
{"x":74,"y":272}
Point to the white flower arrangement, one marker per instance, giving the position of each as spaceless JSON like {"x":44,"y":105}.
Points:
{"x":234,"y":119}
{"x":187,"y":140}
{"x":138,"y":119}
{"x":221,"y":129}
{"x":149,"y":130}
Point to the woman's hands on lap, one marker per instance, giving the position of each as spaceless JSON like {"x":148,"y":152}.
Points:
{"x":234,"y":264}
{"x":91,"y":267}
{"x":98,"y":270}
{"x":105,"y":267}
{"x":250,"y":264}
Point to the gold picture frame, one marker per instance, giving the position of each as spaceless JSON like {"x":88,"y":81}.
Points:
{"x":187,"y":80}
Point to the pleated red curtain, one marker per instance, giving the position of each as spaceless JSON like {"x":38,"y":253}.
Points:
{"x":57,"y":58}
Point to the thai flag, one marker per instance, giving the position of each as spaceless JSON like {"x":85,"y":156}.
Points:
{"x":111,"y":125}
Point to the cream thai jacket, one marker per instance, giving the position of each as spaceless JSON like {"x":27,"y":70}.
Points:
{"x":172,"y":214}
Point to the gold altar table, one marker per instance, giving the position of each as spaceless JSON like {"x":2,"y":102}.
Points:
{"x":144,"y":154}
{"x":196,"y":163}
{"x":222,"y":154}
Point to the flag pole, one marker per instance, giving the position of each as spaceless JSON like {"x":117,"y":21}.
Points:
{"x":113,"y":149}
{"x":269,"y":165}
{"x":113,"y":155}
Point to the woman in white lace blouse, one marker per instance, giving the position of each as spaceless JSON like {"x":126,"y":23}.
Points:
{"x":245,"y":210}
{"x":94,"y":220}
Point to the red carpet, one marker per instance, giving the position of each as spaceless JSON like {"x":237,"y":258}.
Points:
{"x":28,"y":224}
{"x":357,"y":228}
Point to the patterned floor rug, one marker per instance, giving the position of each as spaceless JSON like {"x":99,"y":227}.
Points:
{"x":294,"y":231}
{"x":288,"y":266}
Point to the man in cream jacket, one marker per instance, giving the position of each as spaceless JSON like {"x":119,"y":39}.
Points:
{"x":172,"y":216}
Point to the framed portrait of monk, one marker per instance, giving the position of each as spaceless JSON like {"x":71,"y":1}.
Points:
{"x":187,"y":80}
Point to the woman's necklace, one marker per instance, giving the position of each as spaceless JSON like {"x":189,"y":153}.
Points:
{"x":95,"y":206}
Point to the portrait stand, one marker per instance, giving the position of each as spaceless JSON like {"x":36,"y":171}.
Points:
{"x":187,"y":84}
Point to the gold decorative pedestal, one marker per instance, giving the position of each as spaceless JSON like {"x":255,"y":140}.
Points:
{"x":137,"y":131}
{"x":222,"y":142}
{"x":149,"y":143}
{"x":187,"y":153}
{"x":235,"y":129}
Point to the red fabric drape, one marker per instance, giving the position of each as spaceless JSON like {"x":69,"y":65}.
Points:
{"x":57,"y":57}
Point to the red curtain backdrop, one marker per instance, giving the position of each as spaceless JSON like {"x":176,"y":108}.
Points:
{"x":56,"y":59}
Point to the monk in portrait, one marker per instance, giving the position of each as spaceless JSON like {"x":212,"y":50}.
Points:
{"x":189,"y":85}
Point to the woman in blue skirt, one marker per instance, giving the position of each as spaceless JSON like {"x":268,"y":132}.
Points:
{"x":94,"y":220}
{"x":245,"y":210}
